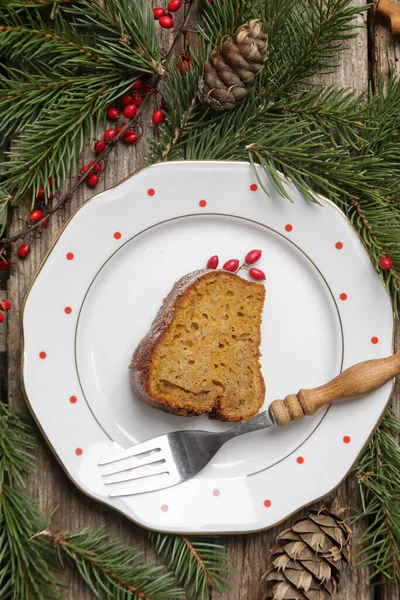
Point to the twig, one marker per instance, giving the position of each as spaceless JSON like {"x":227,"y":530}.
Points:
{"x":185,"y":118}
{"x":7,"y":241}
{"x":199,"y":560}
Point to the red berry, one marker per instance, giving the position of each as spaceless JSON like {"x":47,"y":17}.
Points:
{"x":109,"y":135}
{"x":40,"y":195}
{"x":4,"y":264}
{"x":158,"y":13}
{"x":163,"y":103}
{"x":184,"y":66}
{"x":92,"y":180}
{"x":45,"y":223}
{"x":253,"y":256}
{"x":91,"y":162}
{"x":166,"y":22}
{"x":99,"y":147}
{"x":257,"y":274}
{"x":112,"y":113}
{"x":127,"y":99}
{"x":174,"y":5}
{"x":5,"y":305}
{"x":97,"y":168}
{"x":85,"y":168}
{"x":212,"y":262}
{"x":137,"y":101}
{"x":157,"y":117}
{"x":146,"y":88}
{"x":385,"y":263}
{"x":231,"y":265}
{"x":24,"y":250}
{"x":185,"y":56}
{"x":132,"y":138}
{"x":36,"y":215}
{"x":138,"y":85}
{"x":1,"y":318}
{"x":130,"y":111}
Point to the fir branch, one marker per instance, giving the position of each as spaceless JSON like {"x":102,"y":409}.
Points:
{"x":26,"y":566}
{"x":378,"y":474}
{"x":307,"y":41}
{"x":110,"y":569}
{"x":198,"y":563}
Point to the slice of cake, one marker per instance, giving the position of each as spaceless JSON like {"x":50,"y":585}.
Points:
{"x":201,"y":354}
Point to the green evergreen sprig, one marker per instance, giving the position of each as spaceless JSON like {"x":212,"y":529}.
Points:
{"x":199,"y":564}
{"x":26,"y":564}
{"x":378,"y":474}
{"x":112,"y":570}
{"x":59,"y":79}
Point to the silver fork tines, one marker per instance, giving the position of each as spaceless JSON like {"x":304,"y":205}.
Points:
{"x":170,"y":459}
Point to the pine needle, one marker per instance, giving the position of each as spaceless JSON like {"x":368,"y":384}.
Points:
{"x":378,"y":474}
{"x":26,"y":564}
{"x":112,"y":570}
{"x":199,"y":564}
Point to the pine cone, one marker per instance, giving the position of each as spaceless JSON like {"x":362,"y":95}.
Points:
{"x":229,"y":73}
{"x":308,"y":558}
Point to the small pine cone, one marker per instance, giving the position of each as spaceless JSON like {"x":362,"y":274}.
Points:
{"x":308,"y":558}
{"x":230,"y":72}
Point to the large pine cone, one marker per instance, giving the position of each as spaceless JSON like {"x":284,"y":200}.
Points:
{"x":229,"y":73}
{"x":308,"y":558}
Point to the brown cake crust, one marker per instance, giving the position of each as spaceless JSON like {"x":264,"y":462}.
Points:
{"x":141,"y":359}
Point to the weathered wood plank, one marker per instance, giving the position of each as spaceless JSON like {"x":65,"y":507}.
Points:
{"x":384,"y":57}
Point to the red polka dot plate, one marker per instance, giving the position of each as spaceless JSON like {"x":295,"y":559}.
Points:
{"x":104,"y":280}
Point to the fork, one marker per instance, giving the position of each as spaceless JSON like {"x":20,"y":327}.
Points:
{"x":175,"y":457}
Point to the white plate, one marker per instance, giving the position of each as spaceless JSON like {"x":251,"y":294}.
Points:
{"x":103,"y":282}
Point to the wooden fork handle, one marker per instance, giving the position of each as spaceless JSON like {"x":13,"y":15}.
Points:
{"x":360,"y":379}
{"x":390,"y":11}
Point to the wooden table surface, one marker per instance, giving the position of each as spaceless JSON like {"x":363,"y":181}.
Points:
{"x":370,"y":56}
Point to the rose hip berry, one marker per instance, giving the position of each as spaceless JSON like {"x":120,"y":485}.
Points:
{"x":36,"y":215}
{"x":137,"y":101}
{"x":99,"y":146}
{"x":130,"y":111}
{"x":112,"y":113}
{"x":253,"y":256}
{"x":166,"y":22}
{"x":109,"y":135}
{"x":385,"y":263}
{"x":138,"y":85}
{"x":131,"y":138}
{"x":158,"y":13}
{"x":24,"y":250}
{"x":231,"y":265}
{"x":40,"y":195}
{"x":1,"y":318}
{"x":157,"y":117}
{"x":212,"y":262}
{"x":92,"y":180}
{"x":174,"y":5}
{"x":5,"y":305}
{"x":184,"y":66}
{"x":257,"y":274}
{"x":127,"y":99}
